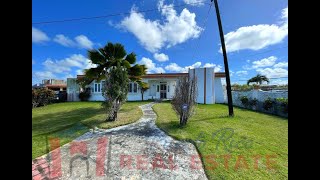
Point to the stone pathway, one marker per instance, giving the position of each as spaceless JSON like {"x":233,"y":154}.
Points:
{"x":135,"y":151}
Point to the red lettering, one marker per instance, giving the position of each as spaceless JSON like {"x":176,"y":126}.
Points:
{"x":126,"y":161}
{"x":55,"y":158}
{"x":155,"y":163}
{"x":270,"y":163}
{"x":195,"y":159}
{"x":226,"y":158}
{"x":141,"y":162}
{"x":238,"y":162}
{"x":210,"y":159}
{"x":101,"y":155}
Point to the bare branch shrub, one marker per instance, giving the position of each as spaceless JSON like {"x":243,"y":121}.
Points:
{"x":184,"y":99}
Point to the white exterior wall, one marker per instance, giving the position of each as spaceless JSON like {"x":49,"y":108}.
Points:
{"x":205,"y":84}
{"x":219,"y":92}
{"x":153,"y":83}
{"x":72,"y":89}
{"x":258,"y":94}
{"x":214,"y":88}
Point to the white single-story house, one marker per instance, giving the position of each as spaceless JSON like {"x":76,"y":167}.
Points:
{"x":162,"y":86}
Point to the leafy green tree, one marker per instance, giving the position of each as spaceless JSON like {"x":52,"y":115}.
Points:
{"x":116,"y":90}
{"x":113,"y":58}
{"x":108,"y":56}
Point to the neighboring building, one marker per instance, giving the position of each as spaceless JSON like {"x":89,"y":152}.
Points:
{"x":55,"y":84}
{"x":162,"y":86}
{"x":58,"y":86}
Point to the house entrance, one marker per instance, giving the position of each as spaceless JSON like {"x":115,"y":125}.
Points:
{"x":163,"y":91}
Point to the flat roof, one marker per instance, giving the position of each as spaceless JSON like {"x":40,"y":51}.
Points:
{"x":168,"y":75}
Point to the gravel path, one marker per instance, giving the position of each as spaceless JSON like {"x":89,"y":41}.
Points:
{"x":135,"y":151}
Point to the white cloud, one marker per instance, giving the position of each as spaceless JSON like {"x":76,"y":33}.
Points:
{"x":256,"y":37}
{"x":110,"y":23}
{"x":209,"y":65}
{"x":281,"y":65}
{"x":161,"y":57}
{"x":63,"y":68}
{"x":284,"y":18}
{"x":248,"y":61}
{"x":80,"y":41}
{"x":174,"y":67}
{"x":270,"y":61}
{"x":231,"y":73}
{"x":63,"y":40}
{"x":66,"y":65}
{"x":273,"y":72}
{"x":38,"y":76}
{"x":195,"y":65}
{"x":154,"y":35}
{"x":279,"y":81}
{"x":39,"y":36}
{"x":217,"y":68}
{"x":194,"y":2}
{"x":148,"y":32}
{"x":152,"y":68}
{"x":84,"y":42}
{"x":242,"y":73}
{"x":79,"y":72}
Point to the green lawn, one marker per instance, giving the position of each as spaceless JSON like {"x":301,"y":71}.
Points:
{"x":72,"y":119}
{"x":249,"y":135}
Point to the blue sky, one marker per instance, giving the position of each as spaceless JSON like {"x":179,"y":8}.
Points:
{"x":173,"y":37}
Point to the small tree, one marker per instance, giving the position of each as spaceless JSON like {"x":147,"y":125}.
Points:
{"x":143,"y":87}
{"x":116,"y":90}
{"x":184,"y":99}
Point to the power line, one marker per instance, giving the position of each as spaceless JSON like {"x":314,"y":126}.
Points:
{"x":112,"y":15}
{"x":268,"y":78}
{"x":261,"y":52}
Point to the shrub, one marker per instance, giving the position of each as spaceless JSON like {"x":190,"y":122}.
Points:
{"x":268,"y":103}
{"x":253,"y":102}
{"x":85,"y":95}
{"x":42,"y":97}
{"x":283,"y":103}
{"x":184,"y":99}
{"x":244,"y":100}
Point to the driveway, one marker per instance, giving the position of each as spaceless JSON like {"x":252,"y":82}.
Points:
{"x":135,"y":151}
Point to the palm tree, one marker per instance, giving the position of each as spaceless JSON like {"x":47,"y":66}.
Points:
{"x":113,"y":55}
{"x":258,"y":79}
{"x":108,"y":56}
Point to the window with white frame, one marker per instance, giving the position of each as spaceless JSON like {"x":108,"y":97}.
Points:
{"x":96,"y":87}
{"x":133,"y":87}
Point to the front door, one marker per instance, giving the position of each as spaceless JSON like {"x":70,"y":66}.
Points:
{"x":163,"y":91}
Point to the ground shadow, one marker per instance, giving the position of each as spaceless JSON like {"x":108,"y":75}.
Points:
{"x":53,"y":122}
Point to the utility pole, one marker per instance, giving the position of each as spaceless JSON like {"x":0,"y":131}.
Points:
{"x":226,"y":66}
